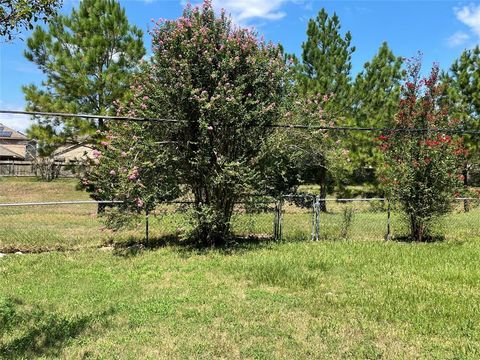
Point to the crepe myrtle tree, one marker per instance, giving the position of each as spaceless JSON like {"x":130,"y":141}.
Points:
{"x":225,"y":87}
{"x":423,"y":168}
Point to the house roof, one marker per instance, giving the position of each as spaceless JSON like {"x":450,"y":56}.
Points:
{"x":7,"y":133}
{"x":70,"y":147}
{"x":4,"y":152}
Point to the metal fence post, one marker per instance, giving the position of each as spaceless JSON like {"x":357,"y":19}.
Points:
{"x":313,"y":218}
{"x":277,"y":225}
{"x":316,"y":219}
{"x":146,"y":227}
{"x":388,"y":237}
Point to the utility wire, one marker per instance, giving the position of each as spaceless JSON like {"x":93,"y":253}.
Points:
{"x":276,"y":126}
{"x":88,"y":116}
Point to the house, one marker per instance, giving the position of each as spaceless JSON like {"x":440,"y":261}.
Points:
{"x":73,"y":153}
{"x":15,"y":146}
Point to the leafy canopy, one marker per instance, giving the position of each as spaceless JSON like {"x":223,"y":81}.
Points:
{"x":422,"y":167}
{"x":16,"y":15}
{"x":225,"y":87}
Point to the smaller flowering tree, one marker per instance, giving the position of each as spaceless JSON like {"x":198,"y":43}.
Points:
{"x":422,"y":169}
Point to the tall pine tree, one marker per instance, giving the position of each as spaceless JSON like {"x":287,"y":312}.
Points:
{"x":375,"y":96}
{"x":463,"y":90}
{"x":87,"y":59}
{"x":326,"y":60}
{"x":324,"y":70}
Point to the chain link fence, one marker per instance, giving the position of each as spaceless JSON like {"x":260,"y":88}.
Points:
{"x":76,"y":224}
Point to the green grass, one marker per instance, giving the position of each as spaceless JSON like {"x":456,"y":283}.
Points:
{"x":289,"y":301}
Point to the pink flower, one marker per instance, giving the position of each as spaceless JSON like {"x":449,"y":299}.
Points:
{"x":123,"y":154}
{"x":96,"y":154}
{"x":113,"y":173}
{"x":104,"y":143}
{"x":139,"y":202}
{"x":134,"y":174}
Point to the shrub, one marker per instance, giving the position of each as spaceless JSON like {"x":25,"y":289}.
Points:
{"x":422,"y":167}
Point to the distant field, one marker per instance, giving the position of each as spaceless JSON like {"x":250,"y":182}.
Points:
{"x":78,"y":226}
{"x":353,"y":299}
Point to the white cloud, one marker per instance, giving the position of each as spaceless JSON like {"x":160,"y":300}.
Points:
{"x":243,"y":11}
{"x":470,"y":16}
{"x":457,"y":39}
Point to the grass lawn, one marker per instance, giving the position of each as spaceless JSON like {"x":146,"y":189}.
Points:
{"x":290,"y":301}
{"x":352,"y":299}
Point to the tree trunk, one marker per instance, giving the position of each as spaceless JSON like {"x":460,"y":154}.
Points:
{"x":214,"y":213}
{"x":418,"y":229}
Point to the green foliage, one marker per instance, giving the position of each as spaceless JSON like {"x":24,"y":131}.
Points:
{"x":463,"y":91}
{"x":326,"y":61}
{"x":131,"y":167}
{"x":225,"y":87}
{"x":422,"y":170}
{"x":375,"y":96}
{"x":377,"y":89}
{"x":87,"y":58}
{"x":323,"y":73}
{"x":48,"y":141}
{"x":16,"y":15}
{"x":319,"y":156}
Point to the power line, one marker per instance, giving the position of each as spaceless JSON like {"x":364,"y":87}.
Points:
{"x":275,"y":126}
{"x":88,"y":116}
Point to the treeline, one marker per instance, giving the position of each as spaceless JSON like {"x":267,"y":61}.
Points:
{"x":228,"y":88}
{"x":88,"y":58}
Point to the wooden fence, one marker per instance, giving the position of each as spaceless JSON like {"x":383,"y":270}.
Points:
{"x":27,"y":168}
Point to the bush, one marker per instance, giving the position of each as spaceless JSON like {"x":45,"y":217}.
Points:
{"x":423,"y":168}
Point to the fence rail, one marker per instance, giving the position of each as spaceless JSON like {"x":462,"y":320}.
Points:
{"x":294,"y":217}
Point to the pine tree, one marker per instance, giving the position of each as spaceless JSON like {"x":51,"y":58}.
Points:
{"x":463,"y":91}
{"x":376,"y":95}
{"x":324,"y":71}
{"x":87,"y":58}
{"x":326,"y":60}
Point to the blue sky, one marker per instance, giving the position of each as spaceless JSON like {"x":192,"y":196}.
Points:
{"x":440,"y":29}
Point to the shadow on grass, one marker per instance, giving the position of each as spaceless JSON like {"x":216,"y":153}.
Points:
{"x":28,"y":332}
{"x":235,"y":244}
{"x":427,"y":239}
